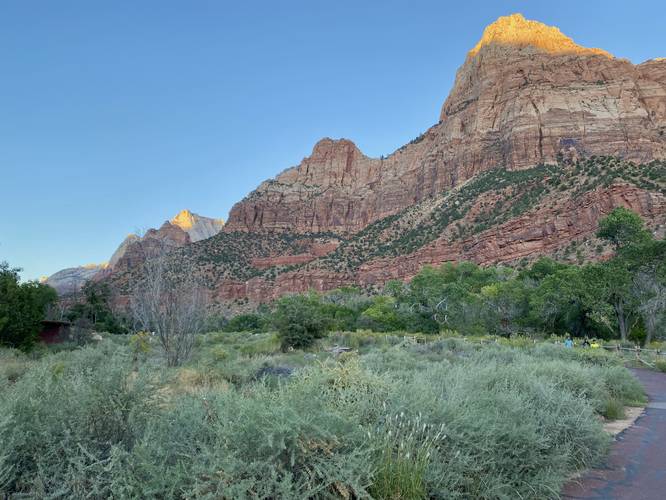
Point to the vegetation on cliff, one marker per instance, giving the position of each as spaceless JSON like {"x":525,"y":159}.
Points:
{"x":461,"y":216}
{"x":622,"y":297}
{"x":499,"y":195}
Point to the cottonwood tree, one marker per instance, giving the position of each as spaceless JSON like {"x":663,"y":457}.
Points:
{"x":651,"y":296}
{"x":609,"y":295}
{"x":172,"y":306}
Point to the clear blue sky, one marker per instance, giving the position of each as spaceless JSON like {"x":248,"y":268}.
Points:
{"x":118,"y":114}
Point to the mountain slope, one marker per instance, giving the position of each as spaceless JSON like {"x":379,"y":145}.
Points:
{"x":70,"y":280}
{"x":524,"y":96}
{"x":186,"y":227}
{"x":538,"y":139}
{"x":499,"y":216}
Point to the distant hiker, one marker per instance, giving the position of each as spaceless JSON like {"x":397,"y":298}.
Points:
{"x":568,"y":343}
{"x":586,"y":343}
{"x":595,"y":344}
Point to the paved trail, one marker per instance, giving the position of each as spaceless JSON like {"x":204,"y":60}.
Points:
{"x":636,"y":467}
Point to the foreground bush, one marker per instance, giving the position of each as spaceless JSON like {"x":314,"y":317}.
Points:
{"x":68,"y":421}
{"x":442,"y":420}
{"x":299,"y":321}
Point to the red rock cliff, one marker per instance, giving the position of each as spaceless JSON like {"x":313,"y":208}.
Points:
{"x":525,"y":94}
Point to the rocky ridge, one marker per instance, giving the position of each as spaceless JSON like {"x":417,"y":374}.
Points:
{"x":525,"y":95}
{"x":538,"y":138}
{"x":71,"y":279}
{"x":186,"y":227}
{"x":196,"y":226}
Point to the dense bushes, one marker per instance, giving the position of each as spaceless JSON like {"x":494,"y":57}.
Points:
{"x":248,"y":322}
{"x":299,"y":321}
{"x":69,"y":423}
{"x":465,"y":421}
{"x":22,"y":308}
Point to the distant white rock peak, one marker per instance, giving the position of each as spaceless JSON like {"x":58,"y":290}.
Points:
{"x":197,"y":226}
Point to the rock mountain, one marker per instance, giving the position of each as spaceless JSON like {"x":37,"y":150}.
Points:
{"x":186,"y":227}
{"x":525,"y":94}
{"x":538,"y":138}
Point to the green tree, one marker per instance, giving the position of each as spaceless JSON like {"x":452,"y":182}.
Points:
{"x":343,"y":307}
{"x":299,"y":320}
{"x":558,"y":302}
{"x":506,"y":303}
{"x":449,"y":296}
{"x":622,"y":227}
{"x":648,"y":265}
{"x":608,"y":293}
{"x":95,"y":309}
{"x":382,"y":315}
{"x":22,"y":308}
{"x":248,"y":322}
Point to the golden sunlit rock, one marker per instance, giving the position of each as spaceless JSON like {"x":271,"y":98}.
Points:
{"x":197,"y":226}
{"x":516,"y":31}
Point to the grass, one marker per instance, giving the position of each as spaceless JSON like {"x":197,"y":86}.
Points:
{"x":448,"y":418}
{"x":660,"y":364}
{"x":614,"y":409}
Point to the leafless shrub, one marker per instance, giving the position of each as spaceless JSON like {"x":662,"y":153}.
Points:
{"x":172,"y":306}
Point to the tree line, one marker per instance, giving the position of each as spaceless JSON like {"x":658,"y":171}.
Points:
{"x":622,"y":297}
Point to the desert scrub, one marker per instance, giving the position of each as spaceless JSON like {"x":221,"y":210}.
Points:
{"x":509,"y":435}
{"x":13,"y":364}
{"x":613,"y":409}
{"x":466,"y":420}
{"x":69,"y":423}
{"x":260,"y":442}
{"x":139,"y":344}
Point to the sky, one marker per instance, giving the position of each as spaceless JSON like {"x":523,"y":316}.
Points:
{"x":117,"y":115}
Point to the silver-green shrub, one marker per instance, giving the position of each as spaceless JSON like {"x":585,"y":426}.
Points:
{"x":465,"y":421}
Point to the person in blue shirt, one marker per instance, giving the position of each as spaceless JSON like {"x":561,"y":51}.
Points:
{"x":568,"y":343}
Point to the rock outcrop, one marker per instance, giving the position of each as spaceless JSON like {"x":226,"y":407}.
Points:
{"x":152,"y":244}
{"x":196,"y":226}
{"x":71,"y":280}
{"x":525,"y":95}
{"x":122,"y":248}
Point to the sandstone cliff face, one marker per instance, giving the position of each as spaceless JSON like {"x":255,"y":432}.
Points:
{"x":497,"y":179}
{"x":120,"y":251}
{"x":521,"y":104}
{"x":547,"y":229}
{"x":154,"y":243}
{"x":72,"y":279}
{"x":525,"y":94}
{"x":186,"y":227}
